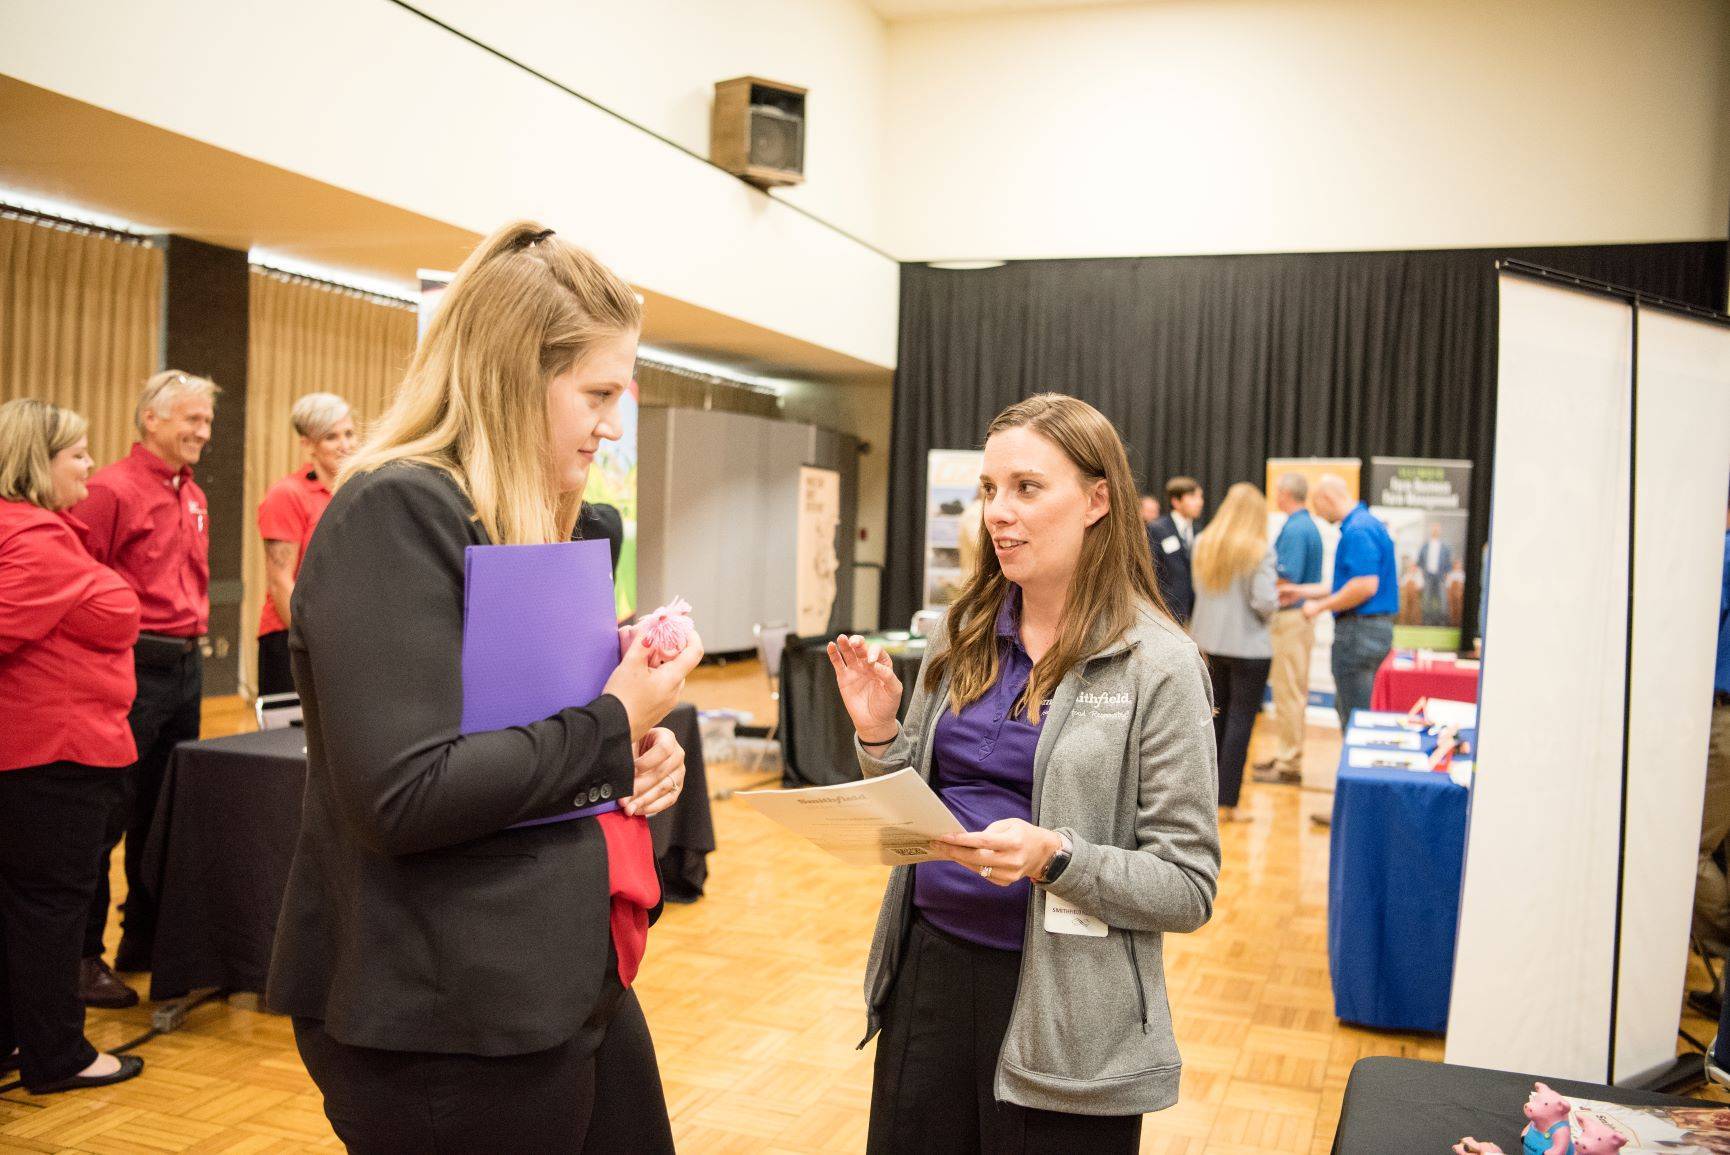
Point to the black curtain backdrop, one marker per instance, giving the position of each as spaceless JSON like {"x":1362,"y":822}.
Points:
{"x":1208,"y":366}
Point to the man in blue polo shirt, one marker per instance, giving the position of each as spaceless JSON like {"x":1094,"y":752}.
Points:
{"x":1298,"y":550}
{"x":1364,"y":598}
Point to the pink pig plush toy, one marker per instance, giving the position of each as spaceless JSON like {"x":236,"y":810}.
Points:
{"x":1546,"y":1133}
{"x":1595,"y":1137}
{"x":667,"y":631}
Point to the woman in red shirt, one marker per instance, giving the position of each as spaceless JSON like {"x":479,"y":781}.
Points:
{"x":67,"y":625}
{"x":286,"y":518}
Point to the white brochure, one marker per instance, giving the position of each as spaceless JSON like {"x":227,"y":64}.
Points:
{"x":879,"y":821}
{"x":1385,"y":739}
{"x":1359,"y":758}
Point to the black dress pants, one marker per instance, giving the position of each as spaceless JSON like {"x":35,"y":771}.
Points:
{"x":576,"y":1098}
{"x":275,"y":673}
{"x":932,"y":1090}
{"x":166,"y":712}
{"x":1238,"y":686}
{"x":52,"y":821}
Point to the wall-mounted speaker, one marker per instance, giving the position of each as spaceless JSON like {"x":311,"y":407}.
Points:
{"x":757,"y":130}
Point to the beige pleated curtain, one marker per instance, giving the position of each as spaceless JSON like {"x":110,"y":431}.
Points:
{"x":80,"y":323}
{"x":307,"y":337}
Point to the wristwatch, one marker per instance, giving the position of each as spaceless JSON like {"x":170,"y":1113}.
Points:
{"x":1059,"y":861}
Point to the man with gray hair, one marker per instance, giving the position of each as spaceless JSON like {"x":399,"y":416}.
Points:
{"x":146,"y":519}
{"x":286,"y":518}
{"x":1298,"y":554}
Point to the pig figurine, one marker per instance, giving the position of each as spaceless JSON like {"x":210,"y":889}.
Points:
{"x":1595,"y":1137}
{"x":1547,"y":1131}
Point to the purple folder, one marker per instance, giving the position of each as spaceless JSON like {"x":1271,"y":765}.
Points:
{"x":538,"y":635}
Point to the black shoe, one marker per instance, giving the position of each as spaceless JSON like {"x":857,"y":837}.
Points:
{"x":1706,"y":1003}
{"x":130,"y":1068}
{"x":100,"y":987}
{"x":133,"y":957}
{"x":9,"y":1062}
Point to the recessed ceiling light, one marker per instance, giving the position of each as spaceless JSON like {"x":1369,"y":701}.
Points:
{"x":965,"y":266}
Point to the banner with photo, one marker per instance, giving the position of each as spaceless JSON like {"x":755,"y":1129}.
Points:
{"x":1313,"y":469}
{"x":814,"y":580}
{"x":1424,"y":504}
{"x":951,"y":502}
{"x":612,"y":477}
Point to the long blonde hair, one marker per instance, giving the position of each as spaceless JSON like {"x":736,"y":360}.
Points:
{"x":1234,"y":542}
{"x":524,"y":308}
{"x":1113,"y":577}
{"x":32,"y":434}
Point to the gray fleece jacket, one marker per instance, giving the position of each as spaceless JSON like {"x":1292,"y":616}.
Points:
{"x":1125,"y":767}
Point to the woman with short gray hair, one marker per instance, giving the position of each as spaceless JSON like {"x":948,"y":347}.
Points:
{"x":286,"y":518}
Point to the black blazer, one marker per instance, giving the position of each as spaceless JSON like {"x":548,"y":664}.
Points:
{"x":594,"y":521}
{"x":413,"y":919}
{"x":1175,"y":584}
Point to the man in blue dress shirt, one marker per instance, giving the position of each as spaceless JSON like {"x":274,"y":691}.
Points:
{"x":1298,"y":553}
{"x":1364,"y":597}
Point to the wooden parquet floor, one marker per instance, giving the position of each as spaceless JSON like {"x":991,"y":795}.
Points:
{"x":754,"y":998}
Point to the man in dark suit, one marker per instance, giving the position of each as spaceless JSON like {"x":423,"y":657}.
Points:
{"x":1172,"y":538}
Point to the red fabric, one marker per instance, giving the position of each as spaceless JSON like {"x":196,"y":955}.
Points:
{"x":1397,"y":690}
{"x":67,"y":625}
{"x":155,"y":535}
{"x":289,"y":512}
{"x":634,"y":885}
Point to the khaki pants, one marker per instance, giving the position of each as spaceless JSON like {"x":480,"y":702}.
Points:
{"x":1711,"y":892}
{"x":1294,"y":638}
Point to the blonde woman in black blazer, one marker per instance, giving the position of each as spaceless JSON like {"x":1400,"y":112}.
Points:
{"x":452,"y":980}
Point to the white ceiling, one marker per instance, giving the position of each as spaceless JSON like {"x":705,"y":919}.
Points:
{"x":926,"y":9}
{"x":60,"y":150}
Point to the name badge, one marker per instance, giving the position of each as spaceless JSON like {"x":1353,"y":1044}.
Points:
{"x":1064,"y":918}
{"x":1171,"y":544}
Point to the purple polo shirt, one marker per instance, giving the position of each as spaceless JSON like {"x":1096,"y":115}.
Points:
{"x":982,"y":768}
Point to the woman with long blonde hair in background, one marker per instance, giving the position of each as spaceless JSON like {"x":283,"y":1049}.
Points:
{"x":448,"y":944}
{"x":1235,"y":595}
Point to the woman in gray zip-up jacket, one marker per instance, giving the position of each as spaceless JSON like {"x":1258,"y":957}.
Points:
{"x":1065,"y":719}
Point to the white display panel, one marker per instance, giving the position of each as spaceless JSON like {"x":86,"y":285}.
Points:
{"x":1682,"y":467}
{"x":1535,"y":950}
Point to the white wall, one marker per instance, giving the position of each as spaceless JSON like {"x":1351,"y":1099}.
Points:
{"x":369,"y":97}
{"x":657,"y":61}
{"x":1294,"y":125}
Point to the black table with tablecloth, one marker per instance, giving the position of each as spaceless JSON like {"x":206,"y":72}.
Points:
{"x":226,"y":825}
{"x":1409,"y":1105}
{"x":816,"y":734}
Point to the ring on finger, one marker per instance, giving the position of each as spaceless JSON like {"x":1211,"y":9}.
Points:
{"x":984,"y":872}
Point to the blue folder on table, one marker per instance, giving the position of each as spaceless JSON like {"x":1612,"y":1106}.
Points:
{"x":539,"y":635}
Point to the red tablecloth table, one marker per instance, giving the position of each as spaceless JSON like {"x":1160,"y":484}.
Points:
{"x":1397,"y":687}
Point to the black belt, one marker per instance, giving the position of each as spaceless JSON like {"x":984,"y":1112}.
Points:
{"x":162,"y":650}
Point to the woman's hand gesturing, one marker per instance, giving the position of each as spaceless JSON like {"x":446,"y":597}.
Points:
{"x":869,"y":688}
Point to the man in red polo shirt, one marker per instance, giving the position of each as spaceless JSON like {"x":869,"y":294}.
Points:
{"x":286,"y":518}
{"x":147,"y":520}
